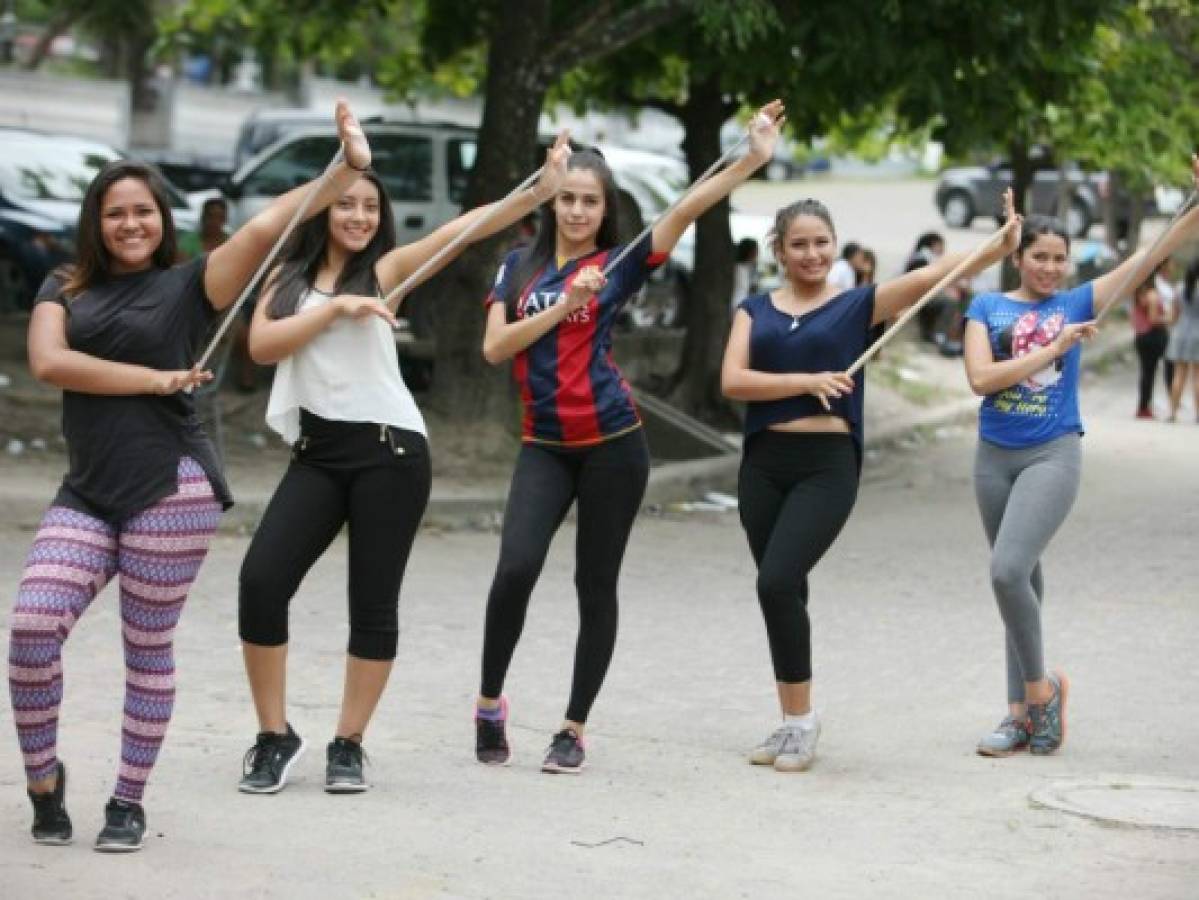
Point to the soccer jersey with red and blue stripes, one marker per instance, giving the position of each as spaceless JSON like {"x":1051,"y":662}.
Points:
{"x":571,"y":391}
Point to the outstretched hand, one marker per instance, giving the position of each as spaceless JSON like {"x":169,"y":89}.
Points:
{"x":1013,"y":223}
{"x":553,"y":173}
{"x":764,"y":131}
{"x":355,"y":307}
{"x":353,"y":140}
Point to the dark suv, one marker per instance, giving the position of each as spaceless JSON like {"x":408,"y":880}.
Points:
{"x":969,"y":192}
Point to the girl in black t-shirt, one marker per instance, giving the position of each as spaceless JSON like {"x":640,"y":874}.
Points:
{"x":118,"y":332}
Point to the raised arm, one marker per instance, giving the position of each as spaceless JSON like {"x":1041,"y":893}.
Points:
{"x":763,"y":133}
{"x":52,"y":361}
{"x":895,"y":295}
{"x":739,"y":382}
{"x":401,"y":262}
{"x":502,"y":339}
{"x":1141,"y":264}
{"x":232,"y":264}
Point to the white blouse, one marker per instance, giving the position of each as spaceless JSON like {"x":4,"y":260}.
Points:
{"x":350,"y":372}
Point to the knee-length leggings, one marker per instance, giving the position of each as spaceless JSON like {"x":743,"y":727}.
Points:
{"x":795,"y":493}
{"x":608,"y":481}
{"x":374,"y":479}
{"x":1024,"y":496}
{"x":156,"y":555}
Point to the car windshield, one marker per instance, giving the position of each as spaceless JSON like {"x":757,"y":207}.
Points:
{"x":50,"y":170}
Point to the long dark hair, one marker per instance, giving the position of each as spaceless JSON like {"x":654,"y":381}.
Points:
{"x":305,"y":250}
{"x":93,"y":263}
{"x":541,"y":251}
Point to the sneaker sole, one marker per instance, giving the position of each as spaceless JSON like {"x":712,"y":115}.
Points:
{"x":999,"y":754}
{"x":755,"y":760}
{"x":120,"y":848}
{"x":495,"y":764}
{"x":276,"y":788}
{"x":343,"y":787}
{"x":53,"y":841}
{"x":793,"y":770}
{"x":555,"y":769}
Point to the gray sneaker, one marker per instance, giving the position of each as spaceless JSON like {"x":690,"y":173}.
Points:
{"x":1048,"y":721}
{"x":1010,"y":736}
{"x":799,"y":749}
{"x":767,"y":752}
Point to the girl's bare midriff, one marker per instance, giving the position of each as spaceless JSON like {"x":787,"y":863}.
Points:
{"x":814,"y":425}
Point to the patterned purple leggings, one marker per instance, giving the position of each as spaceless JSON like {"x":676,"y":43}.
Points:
{"x":157,"y":554}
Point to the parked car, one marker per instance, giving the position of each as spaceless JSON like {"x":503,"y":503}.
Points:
{"x":42,"y":181}
{"x":966,"y":193}
{"x":425,"y":167}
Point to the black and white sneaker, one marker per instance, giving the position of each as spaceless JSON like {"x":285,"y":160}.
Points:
{"x":124,"y":827}
{"x":268,"y":762}
{"x":51,"y":824}
{"x":343,"y":771}
{"x":566,"y":755}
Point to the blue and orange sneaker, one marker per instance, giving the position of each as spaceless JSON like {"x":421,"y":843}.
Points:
{"x":1048,"y":720}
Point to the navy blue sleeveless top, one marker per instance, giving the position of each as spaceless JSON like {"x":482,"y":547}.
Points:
{"x":830,"y":338}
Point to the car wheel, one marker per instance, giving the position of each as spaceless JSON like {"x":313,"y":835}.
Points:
{"x":958,"y":210}
{"x":1078,"y":218}
{"x":14,"y":286}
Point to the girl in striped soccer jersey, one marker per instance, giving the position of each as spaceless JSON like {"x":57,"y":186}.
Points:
{"x":551,"y":312}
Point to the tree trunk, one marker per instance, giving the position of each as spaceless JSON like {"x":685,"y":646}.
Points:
{"x":465,"y":388}
{"x":1111,"y":212}
{"x":1022,"y":175}
{"x":696,"y":384}
{"x":55,"y":28}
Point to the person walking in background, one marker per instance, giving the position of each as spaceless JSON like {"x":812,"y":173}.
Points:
{"x":745,"y":270}
{"x":1183,"y":349}
{"x":844,"y":272}
{"x":1151,"y":336}
{"x":117,"y":331}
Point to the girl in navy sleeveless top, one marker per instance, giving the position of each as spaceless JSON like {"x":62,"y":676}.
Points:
{"x":786,"y":357}
{"x":552,"y":312}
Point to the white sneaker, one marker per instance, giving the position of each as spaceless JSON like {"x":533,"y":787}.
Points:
{"x":798,"y":750}
{"x":767,"y":752}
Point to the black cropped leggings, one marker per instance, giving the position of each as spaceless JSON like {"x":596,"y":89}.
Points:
{"x":608,"y":481}
{"x":795,"y":493}
{"x":373,"y":478}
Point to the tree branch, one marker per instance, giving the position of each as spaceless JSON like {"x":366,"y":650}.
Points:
{"x":600,"y":33}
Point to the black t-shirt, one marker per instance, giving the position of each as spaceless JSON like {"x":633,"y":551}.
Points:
{"x":125,"y":451}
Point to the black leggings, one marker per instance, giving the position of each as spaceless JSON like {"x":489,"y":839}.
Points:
{"x":1151,"y":347}
{"x":374,"y":478}
{"x":795,"y":493}
{"x":608,"y":480}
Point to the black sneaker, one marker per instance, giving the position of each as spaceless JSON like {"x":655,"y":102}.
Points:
{"x":491,"y":737}
{"x":566,"y":755}
{"x":51,"y":824}
{"x":265,"y":768}
{"x":124,"y":827}
{"x":343,"y":771}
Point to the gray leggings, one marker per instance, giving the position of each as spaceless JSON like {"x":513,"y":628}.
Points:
{"x":1024,"y":495}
